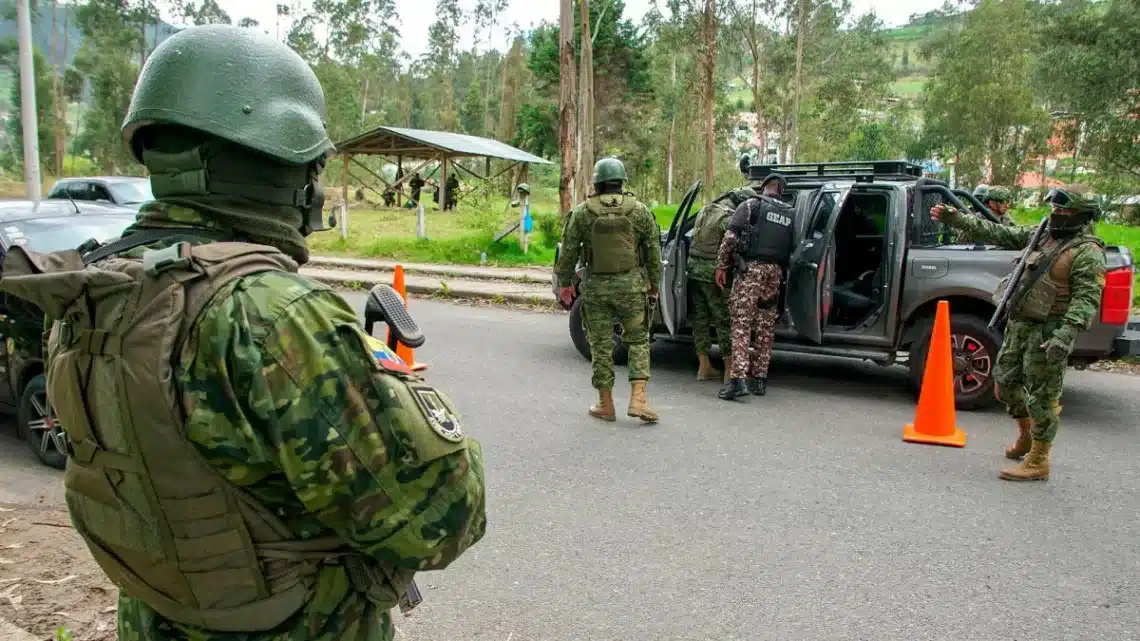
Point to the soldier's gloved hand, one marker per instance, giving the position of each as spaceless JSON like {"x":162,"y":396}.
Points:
{"x":1061,"y":344}
{"x":940,"y":211}
{"x":721,"y":277}
{"x":566,"y":294}
{"x":652,"y":290}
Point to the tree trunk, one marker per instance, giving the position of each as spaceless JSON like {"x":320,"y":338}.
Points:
{"x":709,"y":90}
{"x":585,"y":106}
{"x":59,"y":104}
{"x":567,"y":124}
{"x":801,"y":29}
{"x":364,"y":99}
{"x":488,"y":122}
{"x":672,"y":138}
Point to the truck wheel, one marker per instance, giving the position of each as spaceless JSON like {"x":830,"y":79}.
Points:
{"x":32,"y":416}
{"x":974,"y":349}
{"x":582,"y":344}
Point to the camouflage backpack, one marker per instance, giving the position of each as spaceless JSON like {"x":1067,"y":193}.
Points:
{"x":164,"y":525}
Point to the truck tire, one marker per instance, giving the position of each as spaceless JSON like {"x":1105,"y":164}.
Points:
{"x":974,"y":348}
{"x":582,"y":344}
{"x":30,"y":415}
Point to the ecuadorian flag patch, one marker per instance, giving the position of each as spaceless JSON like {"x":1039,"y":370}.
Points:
{"x":385,"y":356}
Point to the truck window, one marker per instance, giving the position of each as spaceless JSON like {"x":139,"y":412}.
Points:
{"x":924,"y":231}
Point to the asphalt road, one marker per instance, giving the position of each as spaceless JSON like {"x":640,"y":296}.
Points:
{"x":799,"y":516}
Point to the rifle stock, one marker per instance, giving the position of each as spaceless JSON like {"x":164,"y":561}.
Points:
{"x":1002,"y":311}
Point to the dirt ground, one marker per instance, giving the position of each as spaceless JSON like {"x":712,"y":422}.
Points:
{"x":48,"y":579}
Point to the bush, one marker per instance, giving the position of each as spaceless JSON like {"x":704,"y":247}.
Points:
{"x":550,"y":227}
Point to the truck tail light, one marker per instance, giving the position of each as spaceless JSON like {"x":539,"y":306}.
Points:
{"x":1116,"y":303}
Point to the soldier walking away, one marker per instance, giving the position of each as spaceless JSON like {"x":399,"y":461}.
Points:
{"x":244,"y":461}
{"x":1056,"y":299}
{"x":708,"y":302}
{"x":620,"y":241}
{"x":756,"y":247}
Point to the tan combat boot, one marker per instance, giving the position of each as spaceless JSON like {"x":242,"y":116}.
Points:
{"x":638,"y":405}
{"x":706,"y":371}
{"x":605,"y":407}
{"x":727,"y":369}
{"x":1035,"y":467}
{"x":1024,"y":440}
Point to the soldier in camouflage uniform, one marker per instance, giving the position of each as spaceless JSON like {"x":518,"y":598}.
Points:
{"x":708,"y":302}
{"x":998,"y":201}
{"x":756,"y":247}
{"x":245,"y":462}
{"x":620,"y":241}
{"x":1046,"y":314}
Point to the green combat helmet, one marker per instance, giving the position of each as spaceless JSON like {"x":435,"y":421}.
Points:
{"x":243,"y":87}
{"x":1080,"y":211}
{"x":523,"y":188}
{"x":980,"y":192}
{"x":609,"y":169}
{"x":998,"y":194}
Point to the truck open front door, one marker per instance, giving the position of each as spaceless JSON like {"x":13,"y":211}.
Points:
{"x":674,"y":284}
{"x":811,"y":273}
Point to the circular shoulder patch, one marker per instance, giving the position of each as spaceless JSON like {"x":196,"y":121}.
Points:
{"x":441,"y":419}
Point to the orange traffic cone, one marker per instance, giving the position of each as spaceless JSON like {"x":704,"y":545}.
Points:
{"x":934,"y":422}
{"x":406,"y":354}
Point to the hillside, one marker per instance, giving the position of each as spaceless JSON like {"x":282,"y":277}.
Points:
{"x":906,"y":45}
{"x":72,"y":36}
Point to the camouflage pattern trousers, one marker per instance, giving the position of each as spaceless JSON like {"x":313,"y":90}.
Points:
{"x":708,"y":309}
{"x":601,"y":307}
{"x":1026,"y":381}
{"x":755,"y":290}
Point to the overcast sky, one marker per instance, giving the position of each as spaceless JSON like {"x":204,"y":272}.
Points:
{"x":416,"y":15}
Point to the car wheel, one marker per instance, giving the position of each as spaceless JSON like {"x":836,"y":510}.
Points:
{"x":582,"y":344}
{"x":973,"y":349}
{"x":34,"y":424}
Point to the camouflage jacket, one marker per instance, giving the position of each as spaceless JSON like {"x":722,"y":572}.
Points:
{"x":1086,"y":278}
{"x":269,"y":402}
{"x":576,"y":243}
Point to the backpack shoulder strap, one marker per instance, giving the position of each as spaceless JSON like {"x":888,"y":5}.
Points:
{"x":205,"y":270}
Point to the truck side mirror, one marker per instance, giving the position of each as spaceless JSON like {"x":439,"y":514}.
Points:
{"x":386,"y":306}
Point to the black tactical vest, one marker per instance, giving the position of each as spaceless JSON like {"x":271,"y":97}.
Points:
{"x":770,"y":231}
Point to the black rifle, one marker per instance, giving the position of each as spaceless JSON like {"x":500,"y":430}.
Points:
{"x":1002,"y":311}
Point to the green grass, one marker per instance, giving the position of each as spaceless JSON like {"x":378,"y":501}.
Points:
{"x":909,"y":86}
{"x":1120,"y":235}
{"x":453,"y":238}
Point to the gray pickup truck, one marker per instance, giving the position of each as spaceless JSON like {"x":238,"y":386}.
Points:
{"x":868,"y":272}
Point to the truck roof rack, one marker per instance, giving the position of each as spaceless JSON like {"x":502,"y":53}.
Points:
{"x":860,"y":171}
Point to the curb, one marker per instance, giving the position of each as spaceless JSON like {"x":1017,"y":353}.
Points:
{"x":368,"y":281}
{"x":470,"y":273}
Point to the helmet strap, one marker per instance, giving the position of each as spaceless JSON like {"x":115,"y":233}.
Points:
{"x":193,"y":173}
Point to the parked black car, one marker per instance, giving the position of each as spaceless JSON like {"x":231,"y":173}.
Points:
{"x":46,"y":227}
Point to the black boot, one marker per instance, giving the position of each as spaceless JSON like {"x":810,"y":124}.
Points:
{"x":758,"y":386}
{"x":734,"y":390}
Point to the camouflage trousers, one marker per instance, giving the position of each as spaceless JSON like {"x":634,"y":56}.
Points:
{"x":1028,"y":383}
{"x":708,"y":309}
{"x":755,"y":291}
{"x":631,"y":311}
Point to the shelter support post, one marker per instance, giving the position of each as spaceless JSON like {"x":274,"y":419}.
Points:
{"x":523,"y":240}
{"x":443,"y":185}
{"x":344,"y":196}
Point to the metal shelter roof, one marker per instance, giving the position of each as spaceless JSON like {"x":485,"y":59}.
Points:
{"x":425,"y":144}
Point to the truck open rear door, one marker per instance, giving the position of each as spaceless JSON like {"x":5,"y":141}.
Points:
{"x":811,"y":273}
